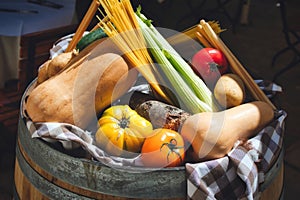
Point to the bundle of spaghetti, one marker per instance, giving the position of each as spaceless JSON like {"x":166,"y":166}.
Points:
{"x":122,"y":27}
{"x":192,"y":33}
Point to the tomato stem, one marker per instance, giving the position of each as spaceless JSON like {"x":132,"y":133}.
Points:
{"x":214,"y":66}
{"x":172,"y":145}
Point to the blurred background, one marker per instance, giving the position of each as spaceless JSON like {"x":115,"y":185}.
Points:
{"x":256,"y":31}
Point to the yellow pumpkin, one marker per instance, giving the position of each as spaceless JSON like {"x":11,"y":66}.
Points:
{"x":122,"y":131}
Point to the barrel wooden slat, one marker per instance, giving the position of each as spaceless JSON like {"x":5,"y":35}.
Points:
{"x":25,"y":189}
{"x":275,"y":189}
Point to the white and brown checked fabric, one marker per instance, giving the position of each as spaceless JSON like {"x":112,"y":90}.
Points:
{"x":238,"y":175}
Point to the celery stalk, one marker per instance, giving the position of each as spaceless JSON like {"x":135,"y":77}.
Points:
{"x":191,"y":90}
{"x":185,"y":95}
{"x":198,"y":86}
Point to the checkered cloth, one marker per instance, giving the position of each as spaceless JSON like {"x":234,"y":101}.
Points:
{"x":238,"y":175}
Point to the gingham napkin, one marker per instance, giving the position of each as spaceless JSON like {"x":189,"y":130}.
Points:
{"x":235,"y":176}
{"x":239,"y":174}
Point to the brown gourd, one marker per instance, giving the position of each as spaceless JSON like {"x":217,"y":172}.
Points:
{"x":81,"y":91}
{"x":213,"y":134}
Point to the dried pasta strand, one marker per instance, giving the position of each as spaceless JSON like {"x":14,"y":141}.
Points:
{"x":122,"y":27}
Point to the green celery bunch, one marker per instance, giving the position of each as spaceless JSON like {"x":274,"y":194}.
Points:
{"x":192,"y":93}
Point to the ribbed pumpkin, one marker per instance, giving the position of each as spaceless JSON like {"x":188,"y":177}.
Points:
{"x":122,"y":131}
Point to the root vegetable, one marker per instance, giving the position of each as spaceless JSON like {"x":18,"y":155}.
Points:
{"x":137,"y":98}
{"x":162,"y":115}
{"x":213,"y":134}
{"x":229,"y":90}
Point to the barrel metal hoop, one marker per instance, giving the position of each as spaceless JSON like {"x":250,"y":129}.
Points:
{"x":46,"y":188}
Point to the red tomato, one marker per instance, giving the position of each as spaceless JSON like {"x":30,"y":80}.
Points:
{"x":210,"y":64}
{"x":165,"y":148}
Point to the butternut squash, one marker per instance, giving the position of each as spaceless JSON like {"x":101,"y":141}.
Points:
{"x":80,"y":92}
{"x":213,"y":134}
{"x":97,"y":47}
{"x":59,"y":62}
{"x":52,"y":67}
{"x":43,"y":72}
{"x":64,"y":60}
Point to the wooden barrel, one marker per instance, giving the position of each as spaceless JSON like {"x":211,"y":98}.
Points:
{"x":43,"y":172}
{"x":273,"y":186}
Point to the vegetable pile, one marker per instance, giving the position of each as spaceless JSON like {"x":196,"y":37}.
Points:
{"x":195,"y":109}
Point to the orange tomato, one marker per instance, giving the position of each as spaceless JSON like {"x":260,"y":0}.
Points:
{"x":164,"y":148}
